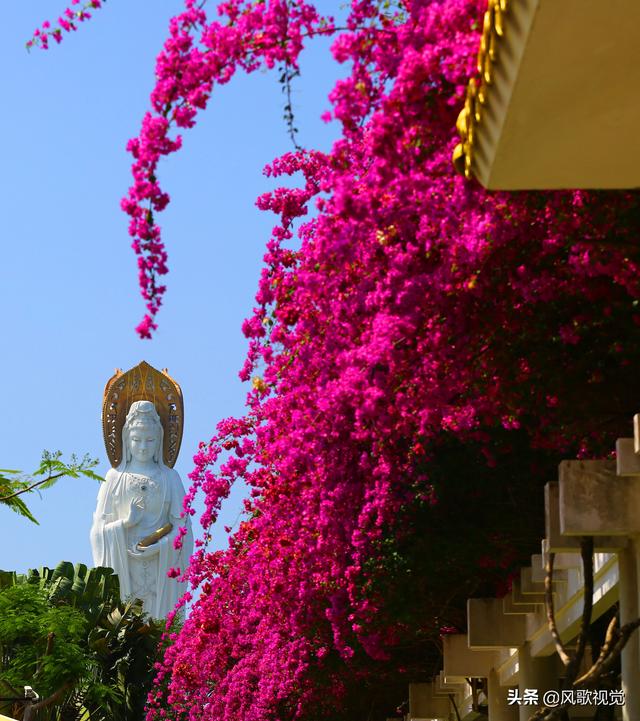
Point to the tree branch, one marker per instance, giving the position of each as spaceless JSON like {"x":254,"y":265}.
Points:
{"x":586,"y":552}
{"x":55,"y":477}
{"x":455,"y":707}
{"x":594,"y":672}
{"x":614,"y":643}
{"x":622,"y":637}
{"x":50,"y":639}
{"x":551,"y":616}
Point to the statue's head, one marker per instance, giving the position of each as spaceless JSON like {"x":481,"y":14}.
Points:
{"x":142,"y":434}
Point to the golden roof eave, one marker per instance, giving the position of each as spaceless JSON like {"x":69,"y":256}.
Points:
{"x":554,"y":102}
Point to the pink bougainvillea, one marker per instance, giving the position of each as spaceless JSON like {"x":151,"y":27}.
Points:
{"x":418,"y":305}
{"x":67,"y":22}
{"x":420,"y":316}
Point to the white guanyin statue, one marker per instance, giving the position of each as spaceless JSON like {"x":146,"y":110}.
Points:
{"x":138,"y":514}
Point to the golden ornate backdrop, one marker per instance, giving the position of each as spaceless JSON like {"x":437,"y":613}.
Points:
{"x":142,"y":383}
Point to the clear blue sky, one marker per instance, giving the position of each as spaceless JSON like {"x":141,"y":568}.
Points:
{"x":68,"y":287}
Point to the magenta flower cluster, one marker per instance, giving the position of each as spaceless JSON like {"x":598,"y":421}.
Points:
{"x":197,"y":55}
{"x":66,"y":23}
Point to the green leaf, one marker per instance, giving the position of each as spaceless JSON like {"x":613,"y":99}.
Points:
{"x":53,"y":468}
{"x":20,"y":507}
{"x":94,"y":476}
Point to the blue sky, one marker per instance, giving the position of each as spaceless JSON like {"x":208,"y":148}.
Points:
{"x":68,"y":286}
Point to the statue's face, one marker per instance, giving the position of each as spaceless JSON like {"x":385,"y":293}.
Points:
{"x":143,"y":442}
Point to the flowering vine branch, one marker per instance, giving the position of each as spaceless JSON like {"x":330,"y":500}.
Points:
{"x":66,"y":23}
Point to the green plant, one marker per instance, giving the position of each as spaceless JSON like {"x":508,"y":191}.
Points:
{"x":65,"y":632}
{"x":14,"y":484}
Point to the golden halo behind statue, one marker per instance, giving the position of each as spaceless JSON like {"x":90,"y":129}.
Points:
{"x":142,"y":383}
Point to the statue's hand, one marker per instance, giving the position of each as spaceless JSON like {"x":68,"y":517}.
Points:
{"x":136,"y":511}
{"x":146,"y":552}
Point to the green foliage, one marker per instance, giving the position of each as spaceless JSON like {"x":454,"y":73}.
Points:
{"x":14,"y":484}
{"x":93,"y":591}
{"x":27,"y":621}
{"x":41,"y":645}
{"x":65,"y":632}
{"x":124,"y":643}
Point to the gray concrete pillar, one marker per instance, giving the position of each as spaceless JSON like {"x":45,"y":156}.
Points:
{"x":629,"y":567}
{"x":499,"y":709}
{"x":540,"y":674}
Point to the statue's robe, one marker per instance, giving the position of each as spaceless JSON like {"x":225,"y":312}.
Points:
{"x":142,"y":576}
